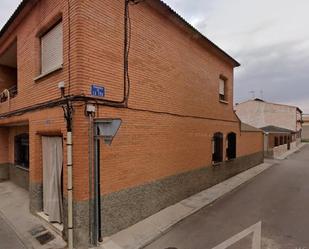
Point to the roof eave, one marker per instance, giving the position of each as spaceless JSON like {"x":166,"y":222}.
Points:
{"x":235,"y":63}
{"x":6,"y":26}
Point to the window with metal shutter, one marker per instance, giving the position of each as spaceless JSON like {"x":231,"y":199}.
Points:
{"x":52,"y":49}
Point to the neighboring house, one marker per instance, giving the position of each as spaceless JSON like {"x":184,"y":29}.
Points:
{"x":305,"y":131}
{"x":282,"y":124}
{"x":66,"y":74}
{"x":277,"y":140}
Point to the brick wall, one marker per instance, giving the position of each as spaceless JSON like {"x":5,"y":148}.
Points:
{"x":26,"y":30}
{"x":250,"y":143}
{"x":170,"y":70}
{"x":152,"y":146}
{"x":46,"y":122}
{"x":174,"y":107}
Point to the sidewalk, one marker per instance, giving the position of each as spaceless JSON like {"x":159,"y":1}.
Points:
{"x":8,"y":239}
{"x":146,"y":231}
{"x":290,"y":152}
{"x":16,"y":217}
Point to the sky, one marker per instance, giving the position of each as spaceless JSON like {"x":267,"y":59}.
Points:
{"x":270,"y":38}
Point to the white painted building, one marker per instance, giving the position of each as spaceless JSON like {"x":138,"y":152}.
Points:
{"x":305,"y":133}
{"x":259,"y":114}
{"x":263,"y":115}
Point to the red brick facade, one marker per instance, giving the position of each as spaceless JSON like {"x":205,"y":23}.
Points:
{"x":173,"y":109}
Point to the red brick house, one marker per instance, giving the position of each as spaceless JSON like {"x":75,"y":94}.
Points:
{"x":136,"y":64}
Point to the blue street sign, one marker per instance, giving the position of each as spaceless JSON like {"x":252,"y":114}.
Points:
{"x":97,"y":91}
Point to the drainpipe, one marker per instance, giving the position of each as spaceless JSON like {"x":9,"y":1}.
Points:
{"x":97,"y":188}
{"x":70,"y":189}
{"x":68,"y":110}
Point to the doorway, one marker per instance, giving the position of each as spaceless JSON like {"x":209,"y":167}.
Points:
{"x":231,"y":149}
{"x":289,"y":142}
{"x":217,"y":155}
{"x":52,"y":156}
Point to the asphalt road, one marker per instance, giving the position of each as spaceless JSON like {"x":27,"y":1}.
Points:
{"x":8,"y":238}
{"x":278,"y":198}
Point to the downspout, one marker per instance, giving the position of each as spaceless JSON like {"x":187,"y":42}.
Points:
{"x":91,"y":175}
{"x":97,"y":188}
{"x":70,"y":189}
{"x":68,"y":110}
{"x":68,"y":116}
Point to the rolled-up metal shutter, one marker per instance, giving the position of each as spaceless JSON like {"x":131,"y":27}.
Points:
{"x":52,"y":49}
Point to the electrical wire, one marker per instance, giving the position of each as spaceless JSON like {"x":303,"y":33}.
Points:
{"x":96,"y":101}
{"x":69,"y":47}
{"x":127,"y":56}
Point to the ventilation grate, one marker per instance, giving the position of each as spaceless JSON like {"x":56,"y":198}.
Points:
{"x":45,"y":238}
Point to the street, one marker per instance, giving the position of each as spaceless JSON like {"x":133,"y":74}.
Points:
{"x":275,"y":203}
{"x":8,"y":238}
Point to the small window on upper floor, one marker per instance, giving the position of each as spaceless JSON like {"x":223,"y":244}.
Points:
{"x":222,"y":89}
{"x":52,"y":49}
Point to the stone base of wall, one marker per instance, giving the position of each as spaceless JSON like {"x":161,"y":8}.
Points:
{"x":81,"y":216}
{"x":19,"y":176}
{"x":36,"y":197}
{"x":125,"y":208}
{"x":4,"y":172}
{"x":81,"y":223}
{"x":15,"y":174}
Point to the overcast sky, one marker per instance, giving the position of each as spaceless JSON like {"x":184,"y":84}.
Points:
{"x":270,"y":38}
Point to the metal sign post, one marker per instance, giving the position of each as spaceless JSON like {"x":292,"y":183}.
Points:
{"x":107,"y":130}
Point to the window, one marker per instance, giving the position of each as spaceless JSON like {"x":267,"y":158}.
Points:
{"x":217,"y":155}
{"x":285,"y":139}
{"x":21,"y":150}
{"x":281,"y":140}
{"x":52,"y":49}
{"x":231,"y":149}
{"x":276,"y":141}
{"x":222,"y":89}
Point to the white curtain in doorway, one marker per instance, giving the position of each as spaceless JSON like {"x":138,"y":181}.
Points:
{"x":52,"y":172}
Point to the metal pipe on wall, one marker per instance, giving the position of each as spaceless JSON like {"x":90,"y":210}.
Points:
{"x":97,"y":187}
{"x":68,"y":114}
{"x":91,"y":181}
{"x":99,"y":192}
{"x":70,"y":189}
